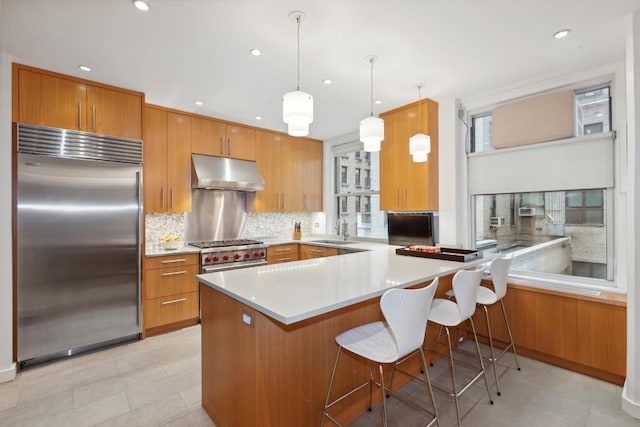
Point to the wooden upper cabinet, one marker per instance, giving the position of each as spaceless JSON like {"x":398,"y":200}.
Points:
{"x":268,"y":162}
{"x":155,"y":160}
{"x":405,"y":185}
{"x":241,"y":142}
{"x":207,"y":137}
{"x":110,"y":112}
{"x":50,"y":99}
{"x":291,"y":174}
{"x":179,"y":162}
{"x":312,"y":175}
{"x":167,"y":161}
{"x":215,"y":138}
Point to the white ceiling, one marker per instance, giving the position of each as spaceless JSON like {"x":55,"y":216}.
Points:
{"x":183,"y":50}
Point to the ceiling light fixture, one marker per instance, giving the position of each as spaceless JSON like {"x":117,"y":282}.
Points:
{"x":258,"y":117}
{"x":561,"y":34}
{"x":141,"y":5}
{"x":297,"y":106}
{"x":371,"y":128}
{"x":84,"y":68}
{"x":198,"y":103}
{"x":419,"y":144}
{"x":255,"y":52}
{"x":377,"y":101}
{"x":327,"y":81}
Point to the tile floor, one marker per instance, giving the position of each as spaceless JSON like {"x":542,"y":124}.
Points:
{"x":156,"y":382}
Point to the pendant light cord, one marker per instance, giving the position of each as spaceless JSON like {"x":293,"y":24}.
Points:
{"x":298,"y":34}
{"x":419,"y":107}
{"x":372,"y":59}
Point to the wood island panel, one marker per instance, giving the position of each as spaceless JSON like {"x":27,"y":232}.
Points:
{"x":271,"y":374}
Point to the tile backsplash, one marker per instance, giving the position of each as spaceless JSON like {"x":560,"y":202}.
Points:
{"x":257,"y":225}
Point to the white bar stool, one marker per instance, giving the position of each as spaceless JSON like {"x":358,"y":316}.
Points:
{"x":403,"y":331}
{"x":448,"y":314}
{"x":499,"y":273}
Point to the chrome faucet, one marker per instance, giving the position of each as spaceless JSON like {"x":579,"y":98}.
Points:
{"x":345,"y":229}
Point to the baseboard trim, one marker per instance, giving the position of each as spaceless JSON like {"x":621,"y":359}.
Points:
{"x":630,"y":407}
{"x":8,"y":374}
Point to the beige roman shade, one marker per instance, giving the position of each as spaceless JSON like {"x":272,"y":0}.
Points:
{"x":540,"y":119}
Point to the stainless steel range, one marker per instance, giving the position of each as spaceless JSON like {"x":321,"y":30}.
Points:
{"x":220,"y":255}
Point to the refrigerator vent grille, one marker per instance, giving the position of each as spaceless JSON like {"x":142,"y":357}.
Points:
{"x":72,"y":144}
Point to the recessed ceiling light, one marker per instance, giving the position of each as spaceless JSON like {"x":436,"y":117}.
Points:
{"x":377,"y":101}
{"x":258,"y":117}
{"x":84,"y":67}
{"x":141,"y":5}
{"x":561,"y":34}
{"x":255,"y":52}
{"x":327,"y":81}
{"x":198,"y":103}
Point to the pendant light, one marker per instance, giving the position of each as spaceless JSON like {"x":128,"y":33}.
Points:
{"x":297,"y":106}
{"x":371,"y":128}
{"x":419,"y":144}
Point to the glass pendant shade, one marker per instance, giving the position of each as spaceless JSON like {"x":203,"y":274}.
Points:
{"x":297,"y":112}
{"x":419,"y":147}
{"x":371,"y":133}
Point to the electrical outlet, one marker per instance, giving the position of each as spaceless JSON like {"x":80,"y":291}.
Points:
{"x":247,"y":318}
{"x":460,"y":339}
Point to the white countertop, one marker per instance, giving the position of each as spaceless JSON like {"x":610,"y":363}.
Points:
{"x":299,"y":290}
{"x":151,"y":250}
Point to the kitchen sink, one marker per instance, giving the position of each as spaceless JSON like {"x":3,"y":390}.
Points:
{"x":333,"y":242}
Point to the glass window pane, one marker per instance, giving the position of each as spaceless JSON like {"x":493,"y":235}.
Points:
{"x":593,"y":111}
{"x":556,"y":240}
{"x":574,"y":199}
{"x":482,"y":134}
{"x":593,"y":198}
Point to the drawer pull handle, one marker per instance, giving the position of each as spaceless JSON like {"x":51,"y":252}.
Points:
{"x":174,"y":260}
{"x":174,"y":273}
{"x":173,"y":301}
{"x":283,"y":259}
{"x":318,"y":251}
{"x":283,"y":250}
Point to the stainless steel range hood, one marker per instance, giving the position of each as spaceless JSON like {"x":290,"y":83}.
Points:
{"x":220,"y":173}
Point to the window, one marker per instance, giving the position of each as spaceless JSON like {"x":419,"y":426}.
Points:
{"x":593,"y":111}
{"x":559,"y":232}
{"x":585,"y":207}
{"x":356,"y":203}
{"x":592,"y":116}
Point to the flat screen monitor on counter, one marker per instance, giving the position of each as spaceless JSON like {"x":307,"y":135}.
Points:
{"x":410,"y":228}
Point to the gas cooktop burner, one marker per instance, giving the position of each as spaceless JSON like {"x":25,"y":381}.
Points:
{"x":224,"y":243}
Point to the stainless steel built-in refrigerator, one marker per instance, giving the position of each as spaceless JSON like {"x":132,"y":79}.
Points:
{"x":78,"y":241}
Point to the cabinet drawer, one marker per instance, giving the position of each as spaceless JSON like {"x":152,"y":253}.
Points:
{"x":172,"y":309}
{"x":170,"y":281}
{"x":311,"y":251}
{"x":282,"y":253}
{"x":170,"y":261}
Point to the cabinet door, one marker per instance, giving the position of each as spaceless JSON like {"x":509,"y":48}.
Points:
{"x":155,"y":160}
{"x":51,"y":101}
{"x":207,"y":137}
{"x":390,"y":169}
{"x":179,"y":162}
{"x":241,"y":142}
{"x":112,"y":112}
{"x":268,"y":162}
{"x":291,"y":174}
{"x":312,"y":176}
{"x":414,"y":183}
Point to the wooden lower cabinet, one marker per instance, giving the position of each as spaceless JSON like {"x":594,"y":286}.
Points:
{"x":170,"y":292}
{"x":312,"y":251}
{"x":283,"y":253}
{"x":583,"y":334}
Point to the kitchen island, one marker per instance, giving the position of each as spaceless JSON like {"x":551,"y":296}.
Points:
{"x":268,"y":332}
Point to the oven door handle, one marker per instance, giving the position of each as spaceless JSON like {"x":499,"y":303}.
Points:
{"x":231,"y":266}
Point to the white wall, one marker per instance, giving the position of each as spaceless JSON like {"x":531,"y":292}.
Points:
{"x":631,"y":390}
{"x":7,"y":367}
